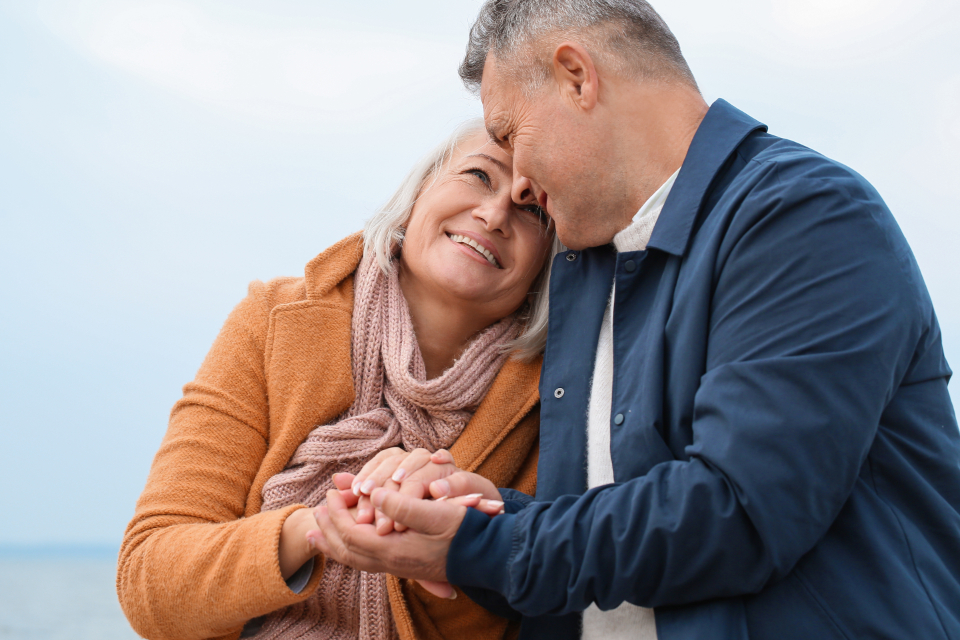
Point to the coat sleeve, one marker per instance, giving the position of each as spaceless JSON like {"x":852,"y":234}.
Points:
{"x":190,"y":565}
{"x":817,"y":310}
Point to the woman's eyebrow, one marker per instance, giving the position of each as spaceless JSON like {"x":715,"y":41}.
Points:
{"x":502,"y":166}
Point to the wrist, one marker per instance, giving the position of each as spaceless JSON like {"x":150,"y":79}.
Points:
{"x":294,"y":549}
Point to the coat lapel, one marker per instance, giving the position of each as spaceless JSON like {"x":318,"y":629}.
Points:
{"x":512,"y":396}
{"x":307,"y":359}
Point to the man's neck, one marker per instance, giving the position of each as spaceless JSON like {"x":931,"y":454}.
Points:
{"x":669,"y":116}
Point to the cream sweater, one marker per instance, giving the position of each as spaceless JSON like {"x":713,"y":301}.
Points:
{"x":627,"y":620}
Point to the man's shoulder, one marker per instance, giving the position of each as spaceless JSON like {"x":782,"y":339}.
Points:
{"x":788,"y":166}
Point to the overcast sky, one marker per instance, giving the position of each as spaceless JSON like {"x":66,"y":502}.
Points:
{"x":156,"y":156}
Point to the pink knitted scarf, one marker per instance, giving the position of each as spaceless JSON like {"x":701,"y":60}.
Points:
{"x":394,"y":405}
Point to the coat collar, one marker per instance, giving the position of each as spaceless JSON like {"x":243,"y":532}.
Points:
{"x":717,"y":138}
{"x":332,"y":267}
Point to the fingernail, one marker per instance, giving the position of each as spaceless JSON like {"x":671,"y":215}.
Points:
{"x":382,"y":523}
{"x":366,"y":487}
{"x":363,"y":513}
{"x":442,"y":498}
{"x":443,"y":487}
{"x":453,"y":596}
{"x":473,"y":496}
{"x":398,"y":475}
{"x":501,"y":512}
{"x":355,"y":488}
{"x":496,"y":504}
{"x":378,"y":497}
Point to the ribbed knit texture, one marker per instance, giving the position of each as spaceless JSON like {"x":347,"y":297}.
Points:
{"x":395,"y":405}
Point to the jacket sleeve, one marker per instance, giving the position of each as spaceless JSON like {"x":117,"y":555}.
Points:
{"x":190,"y":565}
{"x":817,"y":310}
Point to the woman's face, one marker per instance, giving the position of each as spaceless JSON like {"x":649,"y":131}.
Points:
{"x":467,"y":242}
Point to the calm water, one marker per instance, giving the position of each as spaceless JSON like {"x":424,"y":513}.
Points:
{"x":60,"y":597}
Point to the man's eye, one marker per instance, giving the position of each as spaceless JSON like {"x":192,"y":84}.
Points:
{"x":481,"y":174}
{"x":535,"y":212}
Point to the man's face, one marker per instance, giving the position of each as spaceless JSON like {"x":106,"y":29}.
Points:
{"x":559,"y":149}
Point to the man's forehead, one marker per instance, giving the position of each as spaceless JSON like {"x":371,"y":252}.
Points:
{"x":498,"y":103}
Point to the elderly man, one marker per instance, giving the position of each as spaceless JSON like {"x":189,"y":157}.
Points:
{"x":746,"y":430}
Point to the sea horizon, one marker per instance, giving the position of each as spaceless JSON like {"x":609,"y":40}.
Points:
{"x":60,"y":592}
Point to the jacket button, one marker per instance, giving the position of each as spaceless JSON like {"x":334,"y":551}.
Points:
{"x":571,"y":257}
{"x":618,"y":419}
{"x":558,"y":393}
{"x":630,"y":266}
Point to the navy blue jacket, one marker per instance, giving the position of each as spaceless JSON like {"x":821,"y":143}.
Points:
{"x":786,"y":454}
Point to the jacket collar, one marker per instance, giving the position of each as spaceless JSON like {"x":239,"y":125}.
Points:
{"x":332,"y":267}
{"x":717,"y":138}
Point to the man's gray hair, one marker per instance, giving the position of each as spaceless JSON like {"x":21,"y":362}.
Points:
{"x":627,"y":35}
{"x":383,"y":236}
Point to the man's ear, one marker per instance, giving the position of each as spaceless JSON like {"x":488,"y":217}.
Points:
{"x":576,"y":75}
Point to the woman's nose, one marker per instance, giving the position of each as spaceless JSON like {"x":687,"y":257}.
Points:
{"x":495,"y":212}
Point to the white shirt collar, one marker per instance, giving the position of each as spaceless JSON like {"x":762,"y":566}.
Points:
{"x":636,"y":236}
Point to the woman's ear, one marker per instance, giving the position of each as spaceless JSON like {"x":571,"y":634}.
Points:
{"x":576,"y":75}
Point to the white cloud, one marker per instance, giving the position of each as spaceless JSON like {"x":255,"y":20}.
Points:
{"x":811,"y":34}
{"x":285,"y":76}
{"x":845,"y":22}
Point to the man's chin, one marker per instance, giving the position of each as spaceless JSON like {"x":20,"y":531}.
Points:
{"x":577,"y":239}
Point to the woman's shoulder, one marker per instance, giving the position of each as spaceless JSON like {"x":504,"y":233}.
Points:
{"x":327,"y":280}
{"x":276,"y":292}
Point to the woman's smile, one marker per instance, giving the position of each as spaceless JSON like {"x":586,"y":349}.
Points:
{"x":475,"y":247}
{"x":467,"y":211}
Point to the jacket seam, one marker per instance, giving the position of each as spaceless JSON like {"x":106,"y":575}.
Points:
{"x":816,"y":598}
{"x":906,"y":543}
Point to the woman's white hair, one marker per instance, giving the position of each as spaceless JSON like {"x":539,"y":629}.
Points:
{"x":383,"y":237}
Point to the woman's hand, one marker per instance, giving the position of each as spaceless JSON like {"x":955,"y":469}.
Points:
{"x":413,"y":474}
{"x":295,"y":548}
{"x":344,"y":482}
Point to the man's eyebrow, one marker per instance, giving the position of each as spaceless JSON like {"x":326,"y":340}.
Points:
{"x":502,"y":166}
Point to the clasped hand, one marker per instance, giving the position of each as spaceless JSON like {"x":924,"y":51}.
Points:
{"x":408,"y":507}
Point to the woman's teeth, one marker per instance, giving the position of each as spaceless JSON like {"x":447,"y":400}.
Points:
{"x":479,"y":248}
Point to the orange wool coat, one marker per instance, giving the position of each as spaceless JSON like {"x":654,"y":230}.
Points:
{"x":199,"y":559}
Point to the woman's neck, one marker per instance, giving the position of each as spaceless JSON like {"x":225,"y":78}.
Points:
{"x":443,"y":328}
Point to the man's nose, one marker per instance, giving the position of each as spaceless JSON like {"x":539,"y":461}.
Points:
{"x":522,"y":190}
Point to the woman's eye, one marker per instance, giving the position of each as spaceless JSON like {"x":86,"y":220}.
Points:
{"x":481,"y":174}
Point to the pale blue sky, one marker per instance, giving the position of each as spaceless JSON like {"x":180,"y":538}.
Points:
{"x":156,"y":156}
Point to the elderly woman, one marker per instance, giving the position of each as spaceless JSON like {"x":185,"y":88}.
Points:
{"x":399,"y":338}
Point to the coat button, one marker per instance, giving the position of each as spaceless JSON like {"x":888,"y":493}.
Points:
{"x":571,"y":257}
{"x":630,"y":266}
{"x":558,"y":393}
{"x":618,"y":419}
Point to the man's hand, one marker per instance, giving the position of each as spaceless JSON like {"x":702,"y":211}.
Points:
{"x":419,"y":553}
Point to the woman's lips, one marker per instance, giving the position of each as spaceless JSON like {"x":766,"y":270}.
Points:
{"x":480,"y":240}
{"x":474,"y":249}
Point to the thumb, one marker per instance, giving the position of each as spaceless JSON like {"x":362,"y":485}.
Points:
{"x":425,"y":516}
